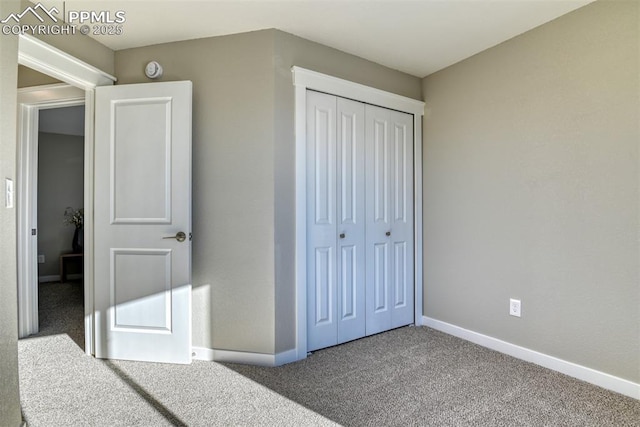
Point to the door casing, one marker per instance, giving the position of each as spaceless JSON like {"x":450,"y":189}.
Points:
{"x":30,"y":102}
{"x":303,"y":80}
{"x":42,"y":57}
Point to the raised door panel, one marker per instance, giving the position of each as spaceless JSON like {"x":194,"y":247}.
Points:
{"x":140,"y":198}
{"x":351,"y":220}
{"x":322,"y":325}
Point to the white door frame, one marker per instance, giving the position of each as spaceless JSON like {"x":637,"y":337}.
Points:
{"x":42,"y":57}
{"x":303,"y":80}
{"x":30,"y":102}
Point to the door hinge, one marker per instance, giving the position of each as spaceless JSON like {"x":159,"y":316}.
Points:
{"x":33,"y":231}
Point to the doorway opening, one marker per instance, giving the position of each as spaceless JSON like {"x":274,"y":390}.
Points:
{"x":74,"y":84}
{"x":51,"y":167}
{"x":60,"y":221}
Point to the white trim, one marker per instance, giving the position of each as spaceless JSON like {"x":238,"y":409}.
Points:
{"x":30,"y":102}
{"x":306,"y":79}
{"x":26,"y":212}
{"x":247,"y":358}
{"x":42,"y":57}
{"x":301,"y":222}
{"x":417,"y":212}
{"x":346,"y":89}
{"x":88,"y":246}
{"x":601,"y":379}
{"x":202,"y":353}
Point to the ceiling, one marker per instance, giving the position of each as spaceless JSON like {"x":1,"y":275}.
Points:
{"x":418,"y":37}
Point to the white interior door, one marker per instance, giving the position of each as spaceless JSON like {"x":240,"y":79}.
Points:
{"x":143,"y":222}
{"x":389,"y":207}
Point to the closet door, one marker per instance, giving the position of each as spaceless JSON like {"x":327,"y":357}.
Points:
{"x":335,"y":220}
{"x":322,"y":227}
{"x":351,"y":220}
{"x":389,"y":219}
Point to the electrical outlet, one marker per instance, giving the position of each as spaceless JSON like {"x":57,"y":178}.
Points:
{"x":514,"y":307}
{"x":40,"y":259}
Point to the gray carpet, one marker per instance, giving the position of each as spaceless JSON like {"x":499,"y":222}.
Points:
{"x":409,"y":376}
{"x":61,"y":310}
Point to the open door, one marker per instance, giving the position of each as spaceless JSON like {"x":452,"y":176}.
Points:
{"x":143,"y":222}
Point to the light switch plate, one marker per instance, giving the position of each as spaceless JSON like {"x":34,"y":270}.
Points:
{"x":8,"y":201}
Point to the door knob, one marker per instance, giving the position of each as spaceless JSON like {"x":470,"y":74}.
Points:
{"x":388,"y":233}
{"x":342,"y":235}
{"x":180,"y":236}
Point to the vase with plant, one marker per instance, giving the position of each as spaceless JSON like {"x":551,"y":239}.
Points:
{"x":75,"y":217}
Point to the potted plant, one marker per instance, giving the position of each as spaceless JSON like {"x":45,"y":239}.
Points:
{"x":75,"y":217}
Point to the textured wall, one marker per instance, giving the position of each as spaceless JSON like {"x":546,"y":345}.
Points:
{"x":10,"y":414}
{"x":531,"y":189}
{"x":60,"y":184}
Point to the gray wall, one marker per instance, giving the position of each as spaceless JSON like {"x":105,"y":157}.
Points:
{"x":531,"y":190}
{"x":243,"y":174}
{"x":60,"y":184}
{"x":28,"y":77}
{"x":10,"y":415}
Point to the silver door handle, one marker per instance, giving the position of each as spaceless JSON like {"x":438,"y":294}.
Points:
{"x":342,"y":235}
{"x":180,"y":236}
{"x":388,"y":233}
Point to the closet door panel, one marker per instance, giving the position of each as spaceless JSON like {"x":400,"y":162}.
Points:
{"x":351,"y":220}
{"x":389,"y":235}
{"x":402,"y":219}
{"x":378,"y":201}
{"x":322,"y":325}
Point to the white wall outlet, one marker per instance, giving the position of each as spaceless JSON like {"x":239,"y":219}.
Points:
{"x":40,"y":259}
{"x":8,"y":201}
{"x":514,"y":307}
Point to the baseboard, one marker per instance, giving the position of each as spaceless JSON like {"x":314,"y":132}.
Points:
{"x":202,"y":353}
{"x":601,"y":379}
{"x":285,"y":357}
{"x":247,"y":358}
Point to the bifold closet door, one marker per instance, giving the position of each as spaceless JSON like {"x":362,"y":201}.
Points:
{"x":389,"y":219}
{"x":335,"y":220}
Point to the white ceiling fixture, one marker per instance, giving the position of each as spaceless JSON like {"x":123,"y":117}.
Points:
{"x":418,"y":37}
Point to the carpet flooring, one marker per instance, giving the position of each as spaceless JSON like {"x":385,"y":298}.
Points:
{"x":409,"y":376}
